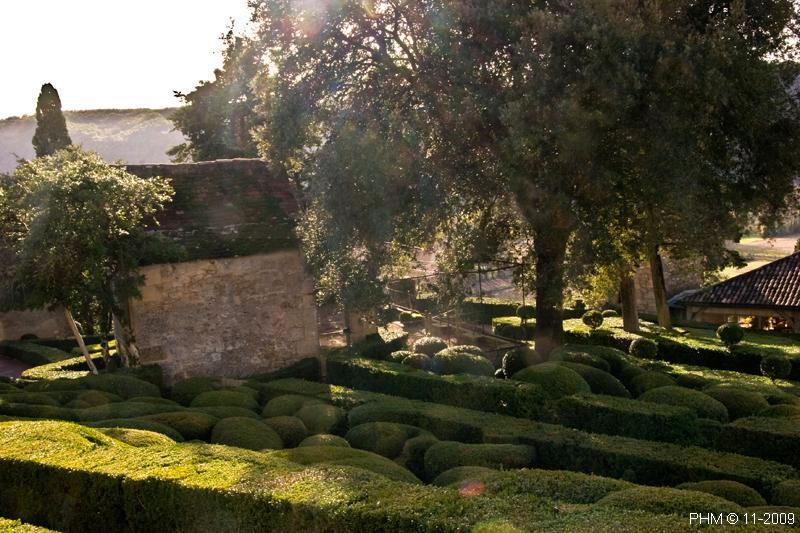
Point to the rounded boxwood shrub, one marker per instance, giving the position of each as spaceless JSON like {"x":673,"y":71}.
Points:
{"x":29,"y":410}
{"x":413,"y":454}
{"x":614,"y":358}
{"x":384,"y":438}
{"x":126,"y":387}
{"x":92,"y":398}
{"x":462,"y":475}
{"x":648,"y":380}
{"x":322,"y":418}
{"x":246,"y":433}
{"x":643,"y":348}
{"x":733,"y":491}
{"x":609,"y":313}
{"x":138,"y":438}
{"x":32,"y":398}
{"x":584,"y":358}
{"x":692,"y":381}
{"x":429,"y":345}
{"x":291,"y":429}
{"x":556,"y":380}
{"x":186,"y":390}
{"x":443,"y":456}
{"x":664,"y":500}
{"x":526,"y":312}
{"x":781,"y":411}
{"x":776,"y":367}
{"x":128,"y":409}
{"x":287,"y":405}
{"x":47,"y":385}
{"x":192,"y":425}
{"x":226,"y":411}
{"x":398,"y":356}
{"x":592,"y":318}
{"x":786,"y":493}
{"x":449,"y":361}
{"x":324,"y":439}
{"x":517,"y":359}
{"x":227,"y":398}
{"x":468,"y":348}
{"x":159,"y":401}
{"x":628,"y":372}
{"x":336,"y":455}
{"x":739,"y":403}
{"x":704,"y":405}
{"x":600,"y":382}
{"x":730,"y":334}
{"x":138,"y":423}
{"x":420,"y":361}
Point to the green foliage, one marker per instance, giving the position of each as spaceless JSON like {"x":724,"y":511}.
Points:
{"x":126,"y":409}
{"x":246,"y":433}
{"x":192,"y":425}
{"x":430,"y":346}
{"x":643,"y":348}
{"x":730,"y":334}
{"x":644,"y":381}
{"x":609,"y":313}
{"x":338,"y":455}
{"x":740,"y":403}
{"x":324,"y":439}
{"x":124,"y":386}
{"x":599,"y":382}
{"x":92,"y":398}
{"x":322,"y":418}
{"x":384,"y":438}
{"x":32,"y":353}
{"x":32,"y":398}
{"x":291,"y":429}
{"x":786,"y":493}
{"x":776,"y":367}
{"x":461,"y":476}
{"x":446,"y":455}
{"x":580,"y":356}
{"x":226,"y":411}
{"x":185,"y":390}
{"x":225,"y":398}
{"x":286,"y":405}
{"x":420,"y":361}
{"x":517,"y":359}
{"x":790,"y":411}
{"x":399,"y":356}
{"x":51,"y":128}
{"x":413,"y":454}
{"x":775,"y":438}
{"x":732,"y":491}
{"x":468,"y":348}
{"x":526,"y":312}
{"x":451,"y":361}
{"x":26,"y":410}
{"x":138,"y":438}
{"x":137,"y":423}
{"x":556,"y":380}
{"x":663,"y":500}
{"x":593,"y":318}
{"x":704,"y":405}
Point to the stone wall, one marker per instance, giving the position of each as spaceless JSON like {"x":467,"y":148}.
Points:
{"x":226,"y":317}
{"x":42,"y":323}
{"x":679,"y":275}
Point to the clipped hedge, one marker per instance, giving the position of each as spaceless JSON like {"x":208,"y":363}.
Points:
{"x":556,"y":380}
{"x":443,"y":456}
{"x":137,"y":438}
{"x":226,"y":398}
{"x":737,"y":493}
{"x":286,"y":405}
{"x":739,"y":403}
{"x":663,"y":500}
{"x":291,"y":429}
{"x":787,"y":493}
{"x":134,"y":423}
{"x":322,"y":418}
{"x":192,"y":425}
{"x":246,"y":433}
{"x":186,"y":390}
{"x":338,"y":455}
{"x":324,"y":439}
{"x":32,"y":353}
{"x":451,"y":361}
{"x":777,"y":438}
{"x":704,"y":405}
{"x":648,"y":380}
{"x":600,"y":382}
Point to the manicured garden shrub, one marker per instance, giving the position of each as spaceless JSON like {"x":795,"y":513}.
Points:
{"x":738,"y":493}
{"x":126,"y":409}
{"x":628,"y":372}
{"x":226,"y":411}
{"x":225,"y":398}
{"x":29,"y":410}
{"x":429,"y":345}
{"x":517,"y":359}
{"x":33,"y":398}
{"x":648,"y":380}
{"x":186,"y":390}
{"x":614,"y":358}
{"x":322,"y":418}
{"x":291,"y":429}
{"x":32,"y":353}
{"x":286,"y":405}
{"x":192,"y":425}
{"x":246,"y":433}
{"x":420,"y":361}
{"x":593,"y":318}
{"x":398,"y":356}
{"x":599,"y":382}
{"x":324,"y":439}
{"x":443,"y":456}
{"x":643,"y":348}
{"x":663,"y":500}
{"x":337,"y":455}
{"x":730,"y":334}
{"x":463,"y":475}
{"x":413,"y":453}
{"x":771,"y":438}
{"x":137,"y":437}
{"x":739,"y":403}
{"x":555,"y":379}
{"x":526,"y":312}
{"x":776,"y":367}
{"x":704,"y":405}
{"x":380,"y":345}
{"x":786,"y":493}
{"x":60,"y":384}
{"x":789,"y":411}
{"x":692,"y":381}
{"x":384,"y":438}
{"x":138,"y":423}
{"x":583,"y":358}
{"x":124,"y":386}
{"x":449,"y":361}
{"x":558,"y":485}
{"x":92,"y":398}
{"x":609,"y":313}
{"x":8,"y":387}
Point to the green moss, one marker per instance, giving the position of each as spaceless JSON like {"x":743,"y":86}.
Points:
{"x":705,"y":406}
{"x":126,"y":387}
{"x":322,"y":418}
{"x":787,"y":493}
{"x":738,"y":402}
{"x":662,"y":500}
{"x":192,"y":425}
{"x":185,"y":390}
{"x":290,"y":428}
{"x":646,"y":381}
{"x":337,"y":455}
{"x":600,"y":382}
{"x":246,"y":433}
{"x":446,"y":455}
{"x":286,"y":405}
{"x":737,"y":493}
{"x":137,"y":437}
{"x":226,"y":398}
{"x":324,"y":439}
{"x":450,"y":361}
{"x":137,"y":423}
{"x":384,"y":438}
{"x":555,"y":379}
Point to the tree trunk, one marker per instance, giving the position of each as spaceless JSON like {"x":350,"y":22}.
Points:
{"x":550,"y":248}
{"x":119,"y":337}
{"x":659,"y":289}
{"x":627,"y":296}
{"x":78,"y":337}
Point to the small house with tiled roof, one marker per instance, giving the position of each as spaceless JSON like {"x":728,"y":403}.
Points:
{"x":769,"y":292}
{"x":228,"y":294}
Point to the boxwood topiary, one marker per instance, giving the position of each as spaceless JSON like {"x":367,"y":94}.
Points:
{"x":384,"y":438}
{"x":739,"y":403}
{"x":336,"y":455}
{"x":556,"y":380}
{"x":628,"y":372}
{"x":648,"y":380}
{"x":443,"y":456}
{"x":593,"y":318}
{"x":290,"y":428}
{"x":138,"y":438}
{"x":776,"y":367}
{"x":128,"y":409}
{"x":429,"y":345}
{"x":413,"y":455}
{"x":692,"y":381}
{"x":126,"y":387}
{"x":29,"y":410}
{"x":227,"y":411}
{"x":33,"y":398}
{"x":609,"y":313}
{"x":286,"y":405}
{"x":600,"y":382}
{"x":704,"y":405}
{"x":420,"y":361}
{"x":324,"y":439}
{"x":463,"y":475}
{"x":226,"y":398}
{"x":322,"y":418}
{"x":138,"y":423}
{"x":584,"y":358}
{"x":92,"y":398}
{"x":517,"y":359}
{"x":186,"y":390}
{"x":733,"y":491}
{"x":449,"y":361}
{"x":664,"y":500}
{"x":786,"y":493}
{"x":246,"y":433}
{"x":777,"y":439}
{"x":469,"y":348}
{"x":60,"y":384}
{"x":781,"y":410}
{"x":730,"y":334}
{"x":192,"y":425}
{"x":398,"y":356}
{"x":643,"y":348}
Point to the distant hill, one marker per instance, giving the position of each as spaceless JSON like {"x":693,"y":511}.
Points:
{"x":134,"y":136}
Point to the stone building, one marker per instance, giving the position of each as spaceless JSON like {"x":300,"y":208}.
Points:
{"x":228,"y":294}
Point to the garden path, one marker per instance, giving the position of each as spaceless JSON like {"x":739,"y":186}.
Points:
{"x":11,"y":367}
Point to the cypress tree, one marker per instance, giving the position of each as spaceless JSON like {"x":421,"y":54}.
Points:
{"x":51,"y":127}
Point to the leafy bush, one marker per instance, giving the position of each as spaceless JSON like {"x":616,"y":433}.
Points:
{"x":599,"y":382}
{"x":692,"y":381}
{"x":322,"y":418}
{"x":324,"y":439}
{"x":380,"y":345}
{"x":643,"y":348}
{"x":246,"y":433}
{"x":291,"y":429}
{"x":443,"y":456}
{"x":517,"y":359}
{"x":556,"y":380}
{"x":609,"y":313}
{"x":739,"y":403}
{"x":226,"y":398}
{"x":337,"y":455}
{"x":463,"y":475}
{"x":127,"y":409}
{"x":399,"y":356}
{"x":593,"y":318}
{"x":771,"y":438}
{"x":28,"y":410}
{"x":526,"y":312}
{"x":628,"y":373}
{"x":226,"y":411}
{"x":733,"y":491}
{"x":564,"y":353}
{"x":32,"y":353}
{"x":92,"y":398}
{"x":420,"y":361}
{"x":704,"y":405}
{"x":137,"y":437}
{"x":192,"y":425}
{"x":384,"y":438}
{"x":776,"y":367}
{"x":663,"y":500}
{"x":781,"y":410}
{"x":646,"y":381}
{"x":730,"y":334}
{"x":413,"y":454}
{"x":286,"y":405}
{"x":449,"y":361}
{"x":616,"y":359}
{"x":429,"y":345}
{"x":787,"y":493}
{"x":124,"y":386}
{"x":59,"y":384}
{"x":137,"y":423}
{"x":186,"y":390}
{"x":33,"y":398}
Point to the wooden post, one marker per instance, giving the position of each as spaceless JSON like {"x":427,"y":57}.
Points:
{"x":78,"y":337}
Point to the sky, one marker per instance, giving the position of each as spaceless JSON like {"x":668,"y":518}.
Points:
{"x":109,"y":53}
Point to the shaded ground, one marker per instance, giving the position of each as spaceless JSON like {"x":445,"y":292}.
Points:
{"x":11,"y":367}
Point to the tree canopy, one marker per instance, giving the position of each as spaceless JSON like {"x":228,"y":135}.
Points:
{"x":51,"y":126}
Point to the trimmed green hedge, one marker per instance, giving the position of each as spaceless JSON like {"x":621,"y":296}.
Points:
{"x":556,"y":380}
{"x":738,"y":402}
{"x":16,"y":526}
{"x":663,"y":500}
{"x":443,"y":456}
{"x":450,"y":361}
{"x":32,"y":353}
{"x":384,"y":438}
{"x":246,"y":433}
{"x":787,"y":493}
{"x":599,"y":381}
{"x":228,"y":398}
{"x":138,"y":438}
{"x":324,"y":439}
{"x":776,"y":438}
{"x":730,"y":490}
{"x":704,"y":405}
{"x":291,"y":429}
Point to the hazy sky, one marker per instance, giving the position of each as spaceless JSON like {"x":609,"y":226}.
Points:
{"x":109,"y":53}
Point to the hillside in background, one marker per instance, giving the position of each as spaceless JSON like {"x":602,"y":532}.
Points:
{"x":134,"y":136}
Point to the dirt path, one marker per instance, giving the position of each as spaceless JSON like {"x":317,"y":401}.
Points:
{"x":11,"y":367}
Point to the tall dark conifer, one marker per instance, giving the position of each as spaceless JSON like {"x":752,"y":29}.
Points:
{"x":51,"y":127}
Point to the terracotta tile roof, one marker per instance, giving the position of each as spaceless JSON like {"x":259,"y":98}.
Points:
{"x":775,"y":284}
